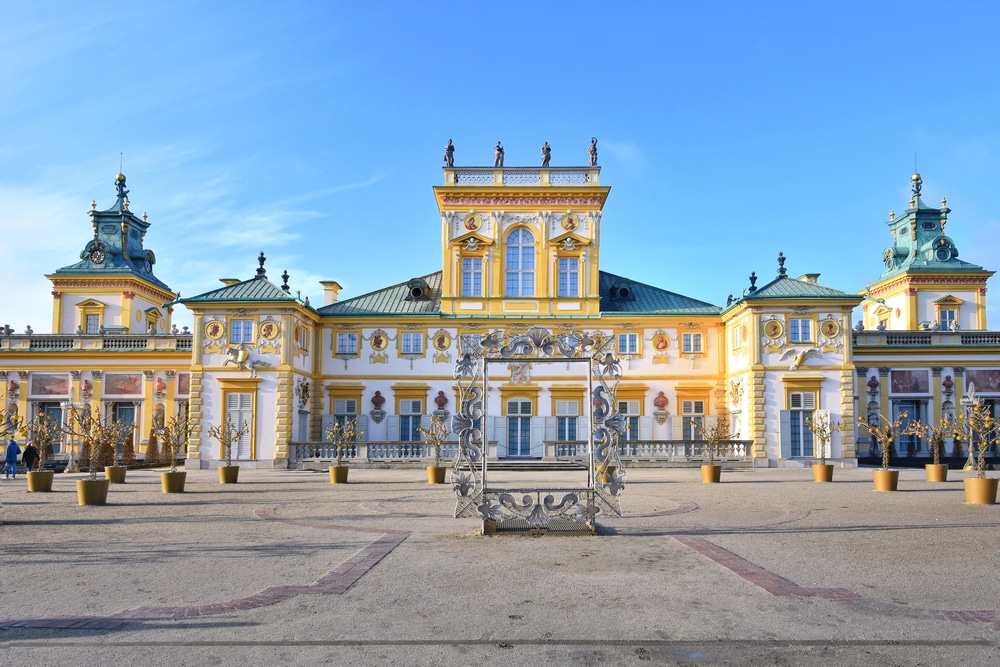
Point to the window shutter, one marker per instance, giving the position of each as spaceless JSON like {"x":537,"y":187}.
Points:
{"x":363,"y":426}
{"x":676,"y":428}
{"x":328,"y":421}
{"x":392,"y":428}
{"x":498,"y":432}
{"x":785,"y":431}
{"x":645,"y":428}
{"x":550,"y":428}
{"x":567,"y":409}
{"x":537,"y":435}
{"x":425,"y":423}
{"x":710,"y":422}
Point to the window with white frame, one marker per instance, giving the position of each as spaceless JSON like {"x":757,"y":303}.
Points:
{"x":569,"y":276}
{"x":567,"y":413}
{"x":410,"y":411}
{"x":241,"y":331}
{"x":691,"y":343}
{"x":692,"y":418}
{"x":799,"y":330}
{"x":628,"y":343}
{"x":802,"y":406}
{"x":737,"y":337}
{"x":946,"y":318}
{"x":630,"y":411}
{"x":520,"y":263}
{"x":93,"y":324}
{"x":472,"y":276}
{"x":345,"y":410}
{"x":411,"y":342}
{"x":347,"y":343}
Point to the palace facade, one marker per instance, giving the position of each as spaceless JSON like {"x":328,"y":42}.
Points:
{"x":520,"y":251}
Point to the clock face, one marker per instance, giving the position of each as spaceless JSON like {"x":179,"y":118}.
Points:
{"x":148,"y":266}
{"x":97,"y":256}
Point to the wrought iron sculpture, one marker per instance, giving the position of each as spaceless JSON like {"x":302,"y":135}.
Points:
{"x":538,"y":506}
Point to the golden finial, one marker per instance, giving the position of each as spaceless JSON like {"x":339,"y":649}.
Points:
{"x":944,"y":203}
{"x":145,"y":216}
{"x":912,"y":202}
{"x":892,"y":214}
{"x":125,"y":204}
{"x":93,"y":204}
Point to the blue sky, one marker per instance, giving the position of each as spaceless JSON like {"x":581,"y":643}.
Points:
{"x":313,"y":131}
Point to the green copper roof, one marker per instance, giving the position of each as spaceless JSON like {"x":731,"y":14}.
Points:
{"x":255,"y":289}
{"x":642,"y":299}
{"x":116,"y":248}
{"x":784,"y":287}
{"x":618,"y":295}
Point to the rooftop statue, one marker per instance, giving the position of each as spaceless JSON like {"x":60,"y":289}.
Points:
{"x":546,"y":154}
{"x":592,"y":151}
{"x":498,"y":155}
{"x":449,"y":154}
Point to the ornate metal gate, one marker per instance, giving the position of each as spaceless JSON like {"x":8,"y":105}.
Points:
{"x":539,"y":509}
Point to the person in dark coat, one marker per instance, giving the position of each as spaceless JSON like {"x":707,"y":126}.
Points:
{"x":29,"y":457}
{"x":10,"y":460}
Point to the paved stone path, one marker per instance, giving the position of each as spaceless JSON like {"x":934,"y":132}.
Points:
{"x":366,"y":522}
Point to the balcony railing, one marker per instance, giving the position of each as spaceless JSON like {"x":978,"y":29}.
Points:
{"x":49,"y":342}
{"x":320,"y":454}
{"x":522,"y":176}
{"x":925,"y":338}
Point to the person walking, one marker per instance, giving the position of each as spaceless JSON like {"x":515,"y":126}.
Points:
{"x":10,"y":460}
{"x":29,"y":457}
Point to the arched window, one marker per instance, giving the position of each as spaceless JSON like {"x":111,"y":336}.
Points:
{"x":520,"y":263}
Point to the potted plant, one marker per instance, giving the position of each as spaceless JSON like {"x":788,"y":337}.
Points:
{"x":823,"y":429}
{"x":935,"y":435}
{"x":884,"y":431}
{"x":43,"y":433}
{"x":111,"y":452}
{"x":982,"y":430}
{"x":342,"y":435}
{"x":227,"y":434}
{"x":434,"y":436}
{"x":96,"y":435}
{"x":173,"y":434}
{"x":714,"y":436}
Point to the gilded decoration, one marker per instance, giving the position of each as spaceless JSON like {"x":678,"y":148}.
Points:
{"x":773,"y":329}
{"x":214,"y":330}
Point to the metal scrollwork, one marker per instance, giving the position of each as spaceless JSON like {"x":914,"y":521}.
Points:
{"x":537,"y":508}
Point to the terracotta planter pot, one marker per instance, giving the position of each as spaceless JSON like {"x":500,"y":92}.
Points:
{"x":115,"y":474}
{"x":981,"y":490}
{"x":92,"y":491}
{"x":40,"y":480}
{"x":937,"y":472}
{"x":885,"y":480}
{"x":605,"y":477}
{"x":173,"y":482}
{"x":435,"y":474}
{"x":229,"y":474}
{"x":711,"y":474}
{"x":338,"y":474}
{"x":822,"y":472}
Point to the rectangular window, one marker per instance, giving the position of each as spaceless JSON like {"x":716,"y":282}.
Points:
{"x":629,"y":410}
{"x":691,"y":343}
{"x":566,"y":420}
{"x":241,"y":331}
{"x":409,"y":419}
{"x":946,"y":318}
{"x":802,"y":407}
{"x":411,"y":343}
{"x":737,"y":337}
{"x":569,"y":276}
{"x":799,"y":330}
{"x":472,"y":276}
{"x":693,"y":417}
{"x":347,"y":343}
{"x":93,"y":324}
{"x":628,"y":343}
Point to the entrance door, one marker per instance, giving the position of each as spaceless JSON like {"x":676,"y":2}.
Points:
{"x":518,"y":428}
{"x":125,"y":413}
{"x":907,"y":444}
